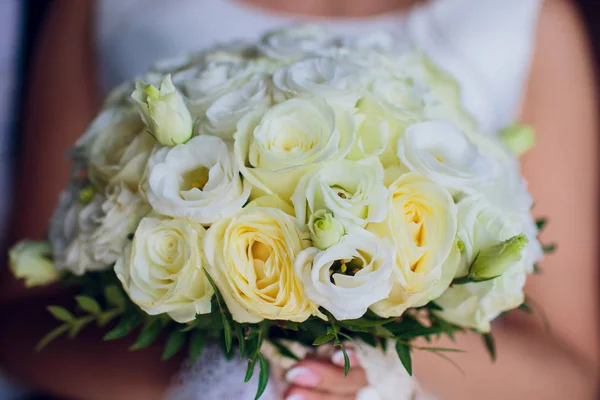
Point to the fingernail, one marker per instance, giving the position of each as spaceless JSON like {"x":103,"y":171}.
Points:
{"x":295,"y":397}
{"x":338,"y":358}
{"x":303,"y":377}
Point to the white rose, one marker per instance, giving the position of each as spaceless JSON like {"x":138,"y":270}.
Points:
{"x":162,"y":270}
{"x":164,"y":112}
{"x":372,"y":137}
{"x":352,"y":190}
{"x":475,"y":305}
{"x":403,"y":99}
{"x":337,"y":83}
{"x":276,"y":149}
{"x":422,"y":223}
{"x":347,"y":278}
{"x":119,"y":148}
{"x":251,"y":259}
{"x":198,"y":180}
{"x":31,"y":261}
{"x":213,"y":81}
{"x":295,"y":42}
{"x":90,"y":235}
{"x":443,"y":154}
{"x":223,"y":115}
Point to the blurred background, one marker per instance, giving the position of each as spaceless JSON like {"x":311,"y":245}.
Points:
{"x":20,"y":22}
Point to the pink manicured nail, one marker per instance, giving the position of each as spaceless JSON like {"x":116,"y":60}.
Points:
{"x":338,"y":358}
{"x":302,"y":376}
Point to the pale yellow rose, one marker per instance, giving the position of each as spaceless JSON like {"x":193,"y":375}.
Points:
{"x":31,"y":262}
{"x":275,"y":149}
{"x":422,"y":223}
{"x":251,"y":259}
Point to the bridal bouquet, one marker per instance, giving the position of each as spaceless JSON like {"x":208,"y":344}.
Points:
{"x":304,"y":189}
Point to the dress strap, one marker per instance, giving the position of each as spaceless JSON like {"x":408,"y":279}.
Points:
{"x":488,"y":45}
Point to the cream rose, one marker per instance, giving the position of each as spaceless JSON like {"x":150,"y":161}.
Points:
{"x":250,"y":257}
{"x":162,"y":270}
{"x":347,"y":278}
{"x":276,"y":149}
{"x":443,"y":154}
{"x":198,"y":180}
{"x":422,"y":223}
{"x":353,"y":191}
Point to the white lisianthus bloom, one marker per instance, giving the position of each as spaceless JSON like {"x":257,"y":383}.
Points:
{"x":198,"y":180}
{"x":337,"y":83}
{"x":162,"y":270}
{"x":276,"y":149}
{"x":422,"y":223}
{"x":402,"y":99}
{"x":31,"y":262}
{"x":443,"y":154}
{"x":475,"y":305}
{"x":223,"y":115}
{"x":164,"y":112}
{"x":117,"y":148}
{"x":483,"y":226}
{"x":347,"y":278}
{"x":90,"y":234}
{"x":74,"y":221}
{"x":295,"y":42}
{"x":251,"y":259}
{"x":352,"y":190}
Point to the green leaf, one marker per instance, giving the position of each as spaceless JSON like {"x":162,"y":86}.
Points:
{"x":284,"y":350}
{"x":60,"y":313}
{"x":241,"y":339}
{"x":78,"y":324}
{"x":148,"y":335}
{"x":440,"y":349}
{"x":346,"y":359}
{"x":383,"y":332}
{"x":403,"y":351}
{"x":224,"y":317}
{"x":114,"y":296}
{"x":549,"y":248}
{"x":541,"y":223}
{"x":197,"y":342}
{"x":490,"y":345}
{"x":127,"y":324}
{"x":324,"y":339}
{"x":175,"y":342}
{"x":263,"y":377}
{"x":366,"y":323}
{"x":249,"y":370}
{"x":88,"y":304}
{"x":51,"y":336}
{"x":525,"y":307}
{"x":537,"y":270}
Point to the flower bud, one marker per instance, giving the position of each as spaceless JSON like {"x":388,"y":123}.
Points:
{"x":325,"y":230}
{"x":493,"y":261}
{"x":518,"y":138}
{"x":164,"y":112}
{"x":30,"y":261}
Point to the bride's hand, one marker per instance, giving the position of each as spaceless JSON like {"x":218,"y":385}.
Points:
{"x":313,"y":379}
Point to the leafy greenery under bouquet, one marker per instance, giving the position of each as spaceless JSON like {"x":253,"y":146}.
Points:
{"x":304,"y":189}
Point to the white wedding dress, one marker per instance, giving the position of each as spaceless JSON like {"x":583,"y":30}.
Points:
{"x":486,"y":44}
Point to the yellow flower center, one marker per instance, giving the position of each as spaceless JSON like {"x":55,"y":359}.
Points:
{"x":195,"y":179}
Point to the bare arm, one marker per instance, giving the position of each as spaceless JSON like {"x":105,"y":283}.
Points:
{"x":563,"y":179}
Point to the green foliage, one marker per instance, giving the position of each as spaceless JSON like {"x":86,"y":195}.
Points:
{"x":403,"y":351}
{"x":490,"y":345}
{"x":175,"y":343}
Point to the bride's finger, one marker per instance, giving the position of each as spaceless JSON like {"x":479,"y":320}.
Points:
{"x":326,"y":377}
{"x":297,"y":393}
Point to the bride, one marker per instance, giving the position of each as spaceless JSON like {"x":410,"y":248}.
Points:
{"x":515,"y":59}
